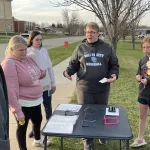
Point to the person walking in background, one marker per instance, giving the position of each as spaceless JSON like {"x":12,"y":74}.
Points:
{"x":24,"y":90}
{"x":93,"y":60}
{"x":143,"y":77}
{"x":4,"y":114}
{"x":41,"y":57}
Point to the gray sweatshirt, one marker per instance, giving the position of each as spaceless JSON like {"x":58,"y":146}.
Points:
{"x":144,"y":91}
{"x":4,"y":115}
{"x":93,"y":62}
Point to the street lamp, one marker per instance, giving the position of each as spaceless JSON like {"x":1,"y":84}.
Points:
{"x":5,"y":24}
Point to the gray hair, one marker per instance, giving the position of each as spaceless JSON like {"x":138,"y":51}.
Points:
{"x":14,"y":42}
{"x":93,"y":25}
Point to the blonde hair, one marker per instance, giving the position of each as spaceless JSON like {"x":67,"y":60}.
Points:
{"x":93,"y":25}
{"x":13,"y":43}
{"x":145,"y":40}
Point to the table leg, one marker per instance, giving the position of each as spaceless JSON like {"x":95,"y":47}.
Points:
{"x":61,"y":143}
{"x":45,"y":142}
{"x":120,"y":144}
{"x":125,"y":145}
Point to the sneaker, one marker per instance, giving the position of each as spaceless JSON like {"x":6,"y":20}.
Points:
{"x":102,"y":141}
{"x":138,"y":143}
{"x":88,"y":147}
{"x":40,"y":143}
{"x":31,"y":134}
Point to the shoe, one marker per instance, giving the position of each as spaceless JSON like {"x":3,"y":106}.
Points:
{"x":31,"y":134}
{"x":88,"y":147}
{"x":138,"y":143}
{"x":102,"y":141}
{"x":40,"y":143}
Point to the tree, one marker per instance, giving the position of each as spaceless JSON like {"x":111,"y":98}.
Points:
{"x":70,"y":22}
{"x":53,"y":25}
{"x":59,"y":25}
{"x":113,"y":14}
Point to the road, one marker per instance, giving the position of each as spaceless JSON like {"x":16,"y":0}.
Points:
{"x":48,"y":43}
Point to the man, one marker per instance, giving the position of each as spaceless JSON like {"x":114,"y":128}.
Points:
{"x":4,"y":115}
{"x":93,"y":60}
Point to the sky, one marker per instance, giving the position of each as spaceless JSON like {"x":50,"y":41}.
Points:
{"x":42,"y":11}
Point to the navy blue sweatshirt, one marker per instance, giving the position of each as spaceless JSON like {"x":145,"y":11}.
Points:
{"x":92,"y":62}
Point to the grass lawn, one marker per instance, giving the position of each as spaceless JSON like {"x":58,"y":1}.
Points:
{"x":123,"y":92}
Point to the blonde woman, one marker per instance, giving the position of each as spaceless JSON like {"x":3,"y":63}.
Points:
{"x":24,"y":90}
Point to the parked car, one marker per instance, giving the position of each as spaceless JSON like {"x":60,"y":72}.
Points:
{"x":25,"y":36}
{"x":143,"y":35}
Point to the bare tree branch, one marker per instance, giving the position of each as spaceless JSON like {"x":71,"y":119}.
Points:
{"x":115,"y":15}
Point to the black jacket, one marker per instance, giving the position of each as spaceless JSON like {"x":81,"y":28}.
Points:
{"x":4,"y":114}
{"x":93,"y":62}
{"x":144,"y":91}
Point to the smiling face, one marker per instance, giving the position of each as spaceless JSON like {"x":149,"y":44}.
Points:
{"x":20,"y":51}
{"x":37,"y":41}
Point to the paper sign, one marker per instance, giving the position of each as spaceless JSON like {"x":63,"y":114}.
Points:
{"x":104,"y":80}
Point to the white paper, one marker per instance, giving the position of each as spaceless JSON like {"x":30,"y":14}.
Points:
{"x":68,"y":119}
{"x":69,"y":107}
{"x":61,"y":124}
{"x":116,"y":113}
{"x":56,"y":127}
{"x":104,"y":80}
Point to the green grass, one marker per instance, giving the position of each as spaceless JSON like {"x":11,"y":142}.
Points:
{"x":60,"y":53}
{"x":123,"y":92}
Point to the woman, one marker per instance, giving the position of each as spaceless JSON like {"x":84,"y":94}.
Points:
{"x":24,"y":90}
{"x":143,"y":77}
{"x":41,"y":57}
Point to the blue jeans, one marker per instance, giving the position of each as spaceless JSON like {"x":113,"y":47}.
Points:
{"x":47,"y":102}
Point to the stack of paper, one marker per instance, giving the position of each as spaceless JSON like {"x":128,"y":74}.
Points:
{"x":60,"y":124}
{"x":69,"y":107}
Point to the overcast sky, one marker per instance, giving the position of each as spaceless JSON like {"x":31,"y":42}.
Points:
{"x":42,"y":11}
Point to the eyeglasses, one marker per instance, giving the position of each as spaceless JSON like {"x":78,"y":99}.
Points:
{"x":111,"y":120}
{"x":89,"y":119}
{"x":90,"y":32}
{"x":90,"y":110}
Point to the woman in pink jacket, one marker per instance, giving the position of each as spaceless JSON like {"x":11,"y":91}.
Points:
{"x":24,"y":90}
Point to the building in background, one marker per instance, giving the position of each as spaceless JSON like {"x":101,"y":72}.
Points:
{"x":6,"y":20}
{"x":22,"y":26}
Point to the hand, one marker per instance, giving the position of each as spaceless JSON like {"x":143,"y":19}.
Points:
{"x":43,"y":74}
{"x":67,"y":76}
{"x":144,"y":81}
{"x":113,"y":79}
{"x":138,"y":78}
{"x":21,"y":119}
{"x":53,"y":89}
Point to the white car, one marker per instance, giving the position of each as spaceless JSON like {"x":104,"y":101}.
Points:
{"x":143,"y":35}
{"x":25,"y":36}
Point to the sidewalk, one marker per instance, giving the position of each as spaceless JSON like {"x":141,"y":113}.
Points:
{"x":64,"y":91}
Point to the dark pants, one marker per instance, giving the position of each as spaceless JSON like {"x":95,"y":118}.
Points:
{"x":47,"y":102}
{"x":92,"y":98}
{"x":33,"y":113}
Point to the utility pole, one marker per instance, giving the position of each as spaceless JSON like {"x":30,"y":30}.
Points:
{"x":5,"y":24}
